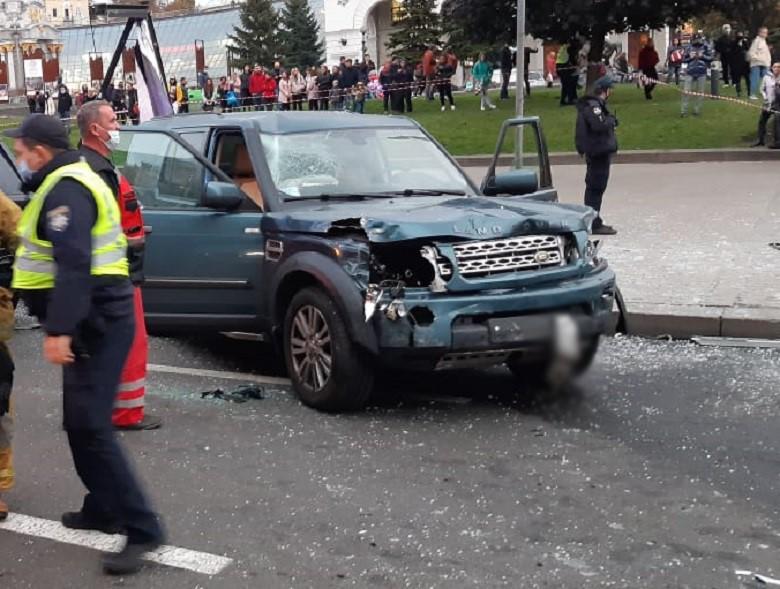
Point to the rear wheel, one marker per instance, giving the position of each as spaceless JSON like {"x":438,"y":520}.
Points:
{"x":328,"y":371}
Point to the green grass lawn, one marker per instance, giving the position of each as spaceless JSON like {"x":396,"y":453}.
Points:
{"x":644,"y":124}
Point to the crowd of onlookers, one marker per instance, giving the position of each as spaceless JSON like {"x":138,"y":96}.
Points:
{"x":344,"y":87}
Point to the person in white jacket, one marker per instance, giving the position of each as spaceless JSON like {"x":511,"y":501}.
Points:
{"x":312,"y":90}
{"x":770,"y":92}
{"x":760,"y":59}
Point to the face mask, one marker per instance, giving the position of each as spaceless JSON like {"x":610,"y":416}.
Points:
{"x":24,"y":171}
{"x":113,"y":139}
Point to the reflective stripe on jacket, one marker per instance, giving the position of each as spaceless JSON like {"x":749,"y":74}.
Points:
{"x":35,"y":268}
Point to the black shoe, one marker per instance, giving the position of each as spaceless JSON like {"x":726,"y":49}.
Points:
{"x":604,"y":230}
{"x":76,"y":520}
{"x":758,"y":144}
{"x":149,"y":422}
{"x":775,"y":146}
{"x":129,"y":560}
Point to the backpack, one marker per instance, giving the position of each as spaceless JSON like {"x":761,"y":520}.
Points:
{"x":676,"y":56}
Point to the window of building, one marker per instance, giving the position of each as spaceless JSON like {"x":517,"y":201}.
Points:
{"x":54,"y":13}
{"x":397,"y":11}
{"x":67,"y":13}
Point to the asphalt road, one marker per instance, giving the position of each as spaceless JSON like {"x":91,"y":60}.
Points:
{"x":660,"y":469}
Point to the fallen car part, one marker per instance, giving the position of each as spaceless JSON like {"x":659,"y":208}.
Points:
{"x":429,"y":253}
{"x":567,"y":351}
{"x":241,"y":395}
{"x":775,"y":245}
{"x":760,"y":579}
{"x":736,"y":342}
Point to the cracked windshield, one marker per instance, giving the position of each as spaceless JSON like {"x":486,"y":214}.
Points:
{"x":361,"y":161}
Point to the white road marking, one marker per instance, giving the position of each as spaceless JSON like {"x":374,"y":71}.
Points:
{"x":182,"y":558}
{"x":219,"y":374}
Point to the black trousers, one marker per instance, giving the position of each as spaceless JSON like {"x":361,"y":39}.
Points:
{"x":386,"y":100}
{"x":725,"y":61}
{"x":596,"y":180}
{"x":505,"y":76}
{"x":445,"y":91}
{"x":89,"y":388}
{"x":739,"y":74}
{"x":408,"y":99}
{"x":651,"y":73}
{"x":763,"y":121}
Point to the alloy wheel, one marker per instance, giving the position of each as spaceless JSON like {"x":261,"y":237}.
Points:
{"x":310,"y":348}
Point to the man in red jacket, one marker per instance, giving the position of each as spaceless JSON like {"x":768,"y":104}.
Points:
{"x":99,"y":131}
{"x":429,"y":71}
{"x":257,"y":86}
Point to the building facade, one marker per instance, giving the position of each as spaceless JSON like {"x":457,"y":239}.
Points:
{"x":67,"y":12}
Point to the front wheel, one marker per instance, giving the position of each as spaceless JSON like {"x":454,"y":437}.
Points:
{"x":328,"y":371}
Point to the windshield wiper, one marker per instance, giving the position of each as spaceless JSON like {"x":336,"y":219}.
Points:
{"x":428,"y":192}
{"x":341,"y":196}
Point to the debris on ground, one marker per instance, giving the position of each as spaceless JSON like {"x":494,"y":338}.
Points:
{"x":241,"y":395}
{"x":775,"y":245}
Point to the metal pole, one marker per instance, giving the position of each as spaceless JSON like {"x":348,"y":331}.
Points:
{"x":520,"y":85}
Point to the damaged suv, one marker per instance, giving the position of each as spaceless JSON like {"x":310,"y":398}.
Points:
{"x":353,"y":240}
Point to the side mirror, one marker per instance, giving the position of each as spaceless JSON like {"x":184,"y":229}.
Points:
{"x":515,"y":183}
{"x":223,"y":196}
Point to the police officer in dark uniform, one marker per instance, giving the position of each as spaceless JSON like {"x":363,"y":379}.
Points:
{"x":596,"y":140}
{"x":71,"y":268}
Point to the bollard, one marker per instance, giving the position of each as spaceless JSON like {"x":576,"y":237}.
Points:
{"x":715,"y":79}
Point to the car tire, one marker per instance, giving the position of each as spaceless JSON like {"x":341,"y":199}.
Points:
{"x":328,"y":371}
{"x":535,"y":375}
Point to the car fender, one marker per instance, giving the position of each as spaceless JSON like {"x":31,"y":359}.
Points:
{"x":343,"y":289}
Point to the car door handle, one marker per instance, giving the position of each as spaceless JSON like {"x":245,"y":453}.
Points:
{"x":147,"y":229}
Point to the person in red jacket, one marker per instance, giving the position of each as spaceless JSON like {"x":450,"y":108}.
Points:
{"x":99,"y":131}
{"x":648,"y":59}
{"x":257,"y":86}
{"x":269,"y":91}
{"x":429,"y":71}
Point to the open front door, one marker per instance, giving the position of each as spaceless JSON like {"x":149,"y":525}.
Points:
{"x":204,"y":253}
{"x":530,"y":176}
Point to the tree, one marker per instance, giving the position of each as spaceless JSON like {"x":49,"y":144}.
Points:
{"x":419,"y":29}
{"x":255,"y":39}
{"x":495,"y":22}
{"x":752,"y":14}
{"x":299,"y":36}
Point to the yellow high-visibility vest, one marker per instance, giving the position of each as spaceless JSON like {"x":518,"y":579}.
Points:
{"x":35,"y":268}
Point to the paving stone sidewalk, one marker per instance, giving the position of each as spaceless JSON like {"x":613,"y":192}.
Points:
{"x":693,"y":254}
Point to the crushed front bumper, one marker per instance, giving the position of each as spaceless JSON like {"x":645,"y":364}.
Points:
{"x":493,"y":322}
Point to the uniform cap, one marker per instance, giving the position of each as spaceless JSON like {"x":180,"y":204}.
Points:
{"x":604,"y":83}
{"x":42,"y":129}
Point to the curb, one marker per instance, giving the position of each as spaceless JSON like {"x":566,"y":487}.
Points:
{"x":687,"y":321}
{"x":676,"y":156}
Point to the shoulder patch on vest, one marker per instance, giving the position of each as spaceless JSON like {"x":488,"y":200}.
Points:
{"x":596,"y":110}
{"x":58,"y":219}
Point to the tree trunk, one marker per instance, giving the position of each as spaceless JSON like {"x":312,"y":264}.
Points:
{"x":595,"y":57}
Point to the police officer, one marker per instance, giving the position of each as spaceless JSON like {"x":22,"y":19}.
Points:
{"x":596,"y":140}
{"x":99,"y":131}
{"x":72,"y":271}
{"x":9,"y":217}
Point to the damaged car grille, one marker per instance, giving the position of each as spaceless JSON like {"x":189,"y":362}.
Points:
{"x":530,"y":252}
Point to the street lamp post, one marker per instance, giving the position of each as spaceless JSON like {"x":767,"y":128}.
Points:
{"x":520,"y":88}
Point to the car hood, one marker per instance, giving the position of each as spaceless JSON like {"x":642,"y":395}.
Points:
{"x":418,"y":217}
